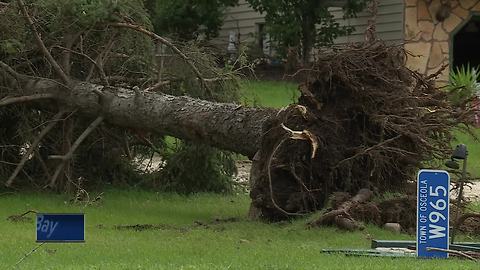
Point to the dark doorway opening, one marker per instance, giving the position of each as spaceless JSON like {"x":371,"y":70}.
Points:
{"x":466,"y":45}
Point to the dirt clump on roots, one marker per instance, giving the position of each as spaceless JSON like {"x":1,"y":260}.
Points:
{"x":363,"y":121}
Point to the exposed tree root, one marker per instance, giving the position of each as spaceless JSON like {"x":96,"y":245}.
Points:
{"x":363,"y":120}
{"x":341,"y":216}
{"x":351,"y":213}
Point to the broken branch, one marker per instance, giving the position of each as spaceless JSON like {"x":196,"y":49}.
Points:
{"x":160,"y":39}
{"x":32,"y":148}
{"x":94,"y":63}
{"x":304,"y":135}
{"x":367,"y":150}
{"x":10,"y":70}
{"x":100,"y":59}
{"x":340,"y":216}
{"x":74,"y":147}
{"x":58,"y":69}
{"x":455,"y":252}
{"x":269,"y":174}
{"x":12,"y":100}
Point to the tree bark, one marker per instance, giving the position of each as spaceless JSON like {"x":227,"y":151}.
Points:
{"x":308,"y":35}
{"x":227,"y":126}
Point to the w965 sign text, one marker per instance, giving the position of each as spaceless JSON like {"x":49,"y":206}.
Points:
{"x":432,"y":213}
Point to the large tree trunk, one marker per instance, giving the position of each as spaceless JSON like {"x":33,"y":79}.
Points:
{"x":224,"y":125}
{"x":308,"y":35}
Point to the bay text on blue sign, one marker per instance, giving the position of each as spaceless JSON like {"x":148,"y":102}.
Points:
{"x":60,"y":227}
{"x":432,"y":213}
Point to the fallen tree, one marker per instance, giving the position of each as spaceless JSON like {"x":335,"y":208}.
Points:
{"x":223,"y":125}
{"x":333,"y":140}
{"x":363,"y":121}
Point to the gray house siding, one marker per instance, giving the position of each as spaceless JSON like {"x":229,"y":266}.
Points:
{"x":243,"y":21}
{"x":390,"y":22}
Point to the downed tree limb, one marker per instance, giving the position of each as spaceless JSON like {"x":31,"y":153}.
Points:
{"x":100,"y":70}
{"x":10,"y":70}
{"x":22,"y":77}
{"x":455,"y":252}
{"x":74,"y":147}
{"x":12,"y":100}
{"x":270,"y":181}
{"x":162,"y":40}
{"x":101,"y":58}
{"x":223,"y":125}
{"x":341,"y":217}
{"x":18,"y":217}
{"x":58,"y":69}
{"x":42,"y":164}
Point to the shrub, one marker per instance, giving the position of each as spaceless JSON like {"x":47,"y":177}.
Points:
{"x":198,"y":168}
{"x":464,"y":84}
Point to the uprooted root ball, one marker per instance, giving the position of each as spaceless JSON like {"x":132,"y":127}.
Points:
{"x":363,"y":120}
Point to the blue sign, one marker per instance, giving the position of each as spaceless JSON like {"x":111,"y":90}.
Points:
{"x":432,"y":213}
{"x":60,"y":227}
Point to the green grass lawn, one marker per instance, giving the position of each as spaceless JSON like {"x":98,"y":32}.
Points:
{"x":275,"y":94}
{"x":182,"y":244}
{"x":473,"y":161}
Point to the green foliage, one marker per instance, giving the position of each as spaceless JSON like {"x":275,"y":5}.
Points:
{"x":64,"y":22}
{"x":464,"y":84}
{"x":84,"y":24}
{"x":226,"y":89}
{"x":10,"y":46}
{"x":473,"y":150}
{"x":12,"y":33}
{"x":186,"y":19}
{"x":83,"y":27}
{"x":79,"y":15}
{"x":193,"y":168}
{"x":303,"y":23}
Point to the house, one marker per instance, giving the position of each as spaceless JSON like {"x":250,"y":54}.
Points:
{"x":436,"y":32}
{"x":442,"y":32}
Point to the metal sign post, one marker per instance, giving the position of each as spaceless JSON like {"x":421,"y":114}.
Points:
{"x":60,"y":228}
{"x":433,"y":213}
